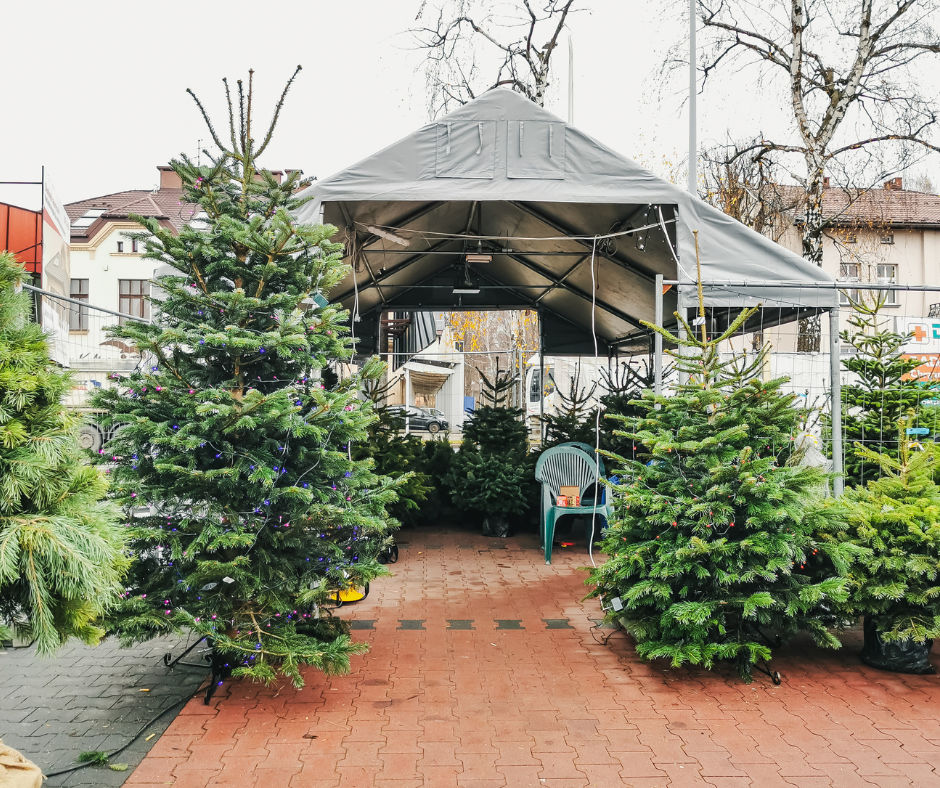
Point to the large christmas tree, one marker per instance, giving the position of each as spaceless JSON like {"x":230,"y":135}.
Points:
{"x":232,"y":456}
{"x":713,"y":553}
{"x":61,"y":550}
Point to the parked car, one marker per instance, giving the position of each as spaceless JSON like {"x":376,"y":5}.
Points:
{"x":430,"y":419}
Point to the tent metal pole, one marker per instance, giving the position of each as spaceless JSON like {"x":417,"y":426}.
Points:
{"x":835,"y":401}
{"x":658,"y":338}
{"x":541,"y":384}
{"x":693,"y":121}
{"x":681,"y":333}
{"x":407,"y":399}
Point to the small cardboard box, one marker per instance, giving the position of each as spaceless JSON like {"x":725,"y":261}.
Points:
{"x":572,"y":494}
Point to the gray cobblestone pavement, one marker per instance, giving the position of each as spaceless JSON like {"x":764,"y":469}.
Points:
{"x":88,"y":698}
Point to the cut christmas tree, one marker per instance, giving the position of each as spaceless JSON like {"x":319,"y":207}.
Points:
{"x":714,"y":551}
{"x":232,"y":455}
{"x":61,"y":550}
{"x":491,"y":475}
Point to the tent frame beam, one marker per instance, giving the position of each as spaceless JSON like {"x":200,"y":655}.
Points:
{"x":627,"y":265}
{"x":574,"y":290}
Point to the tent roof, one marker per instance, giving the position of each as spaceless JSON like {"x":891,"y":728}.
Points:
{"x":505,"y":177}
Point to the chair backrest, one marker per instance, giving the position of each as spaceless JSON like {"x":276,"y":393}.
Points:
{"x":588,"y":449}
{"x":566,"y":465}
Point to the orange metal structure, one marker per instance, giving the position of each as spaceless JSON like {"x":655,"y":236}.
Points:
{"x":21,"y":234}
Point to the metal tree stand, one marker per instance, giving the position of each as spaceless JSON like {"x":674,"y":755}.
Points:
{"x":221,"y":670}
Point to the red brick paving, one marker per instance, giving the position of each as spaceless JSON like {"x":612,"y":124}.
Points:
{"x":493,"y":707}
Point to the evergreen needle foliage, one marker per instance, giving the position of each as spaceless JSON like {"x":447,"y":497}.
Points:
{"x":395,"y":455}
{"x":714,"y":549}
{"x":492,"y":474}
{"x":897,"y":517}
{"x":232,"y":456}
{"x":880,"y":392}
{"x":575,"y":420}
{"x":61,"y":552}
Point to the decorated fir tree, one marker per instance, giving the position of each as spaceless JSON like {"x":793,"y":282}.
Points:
{"x":61,"y":550}
{"x":232,"y":452}
{"x":713,"y":552}
{"x":881,"y":390}
{"x":622,"y":386}
{"x":896,"y":587}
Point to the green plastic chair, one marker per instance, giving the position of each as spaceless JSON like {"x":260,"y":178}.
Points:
{"x":569,"y":465}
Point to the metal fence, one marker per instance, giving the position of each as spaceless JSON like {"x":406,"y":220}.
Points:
{"x":93,"y":358}
{"x":816,"y":378}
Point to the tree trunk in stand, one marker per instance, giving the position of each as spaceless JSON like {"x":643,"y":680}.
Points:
{"x":809,"y":340}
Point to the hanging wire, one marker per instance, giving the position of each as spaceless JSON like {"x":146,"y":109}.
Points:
{"x":598,"y":487}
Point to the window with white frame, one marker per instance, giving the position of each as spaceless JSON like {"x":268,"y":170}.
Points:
{"x":78,"y":314}
{"x":888,"y":275}
{"x":133,"y":298}
{"x":120,"y":247}
{"x":849,"y":272}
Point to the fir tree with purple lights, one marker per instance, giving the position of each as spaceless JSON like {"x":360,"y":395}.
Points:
{"x":231,"y":456}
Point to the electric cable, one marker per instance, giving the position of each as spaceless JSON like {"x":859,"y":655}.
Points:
{"x":133,"y":738}
{"x":464,"y":237}
{"x":597,"y":410}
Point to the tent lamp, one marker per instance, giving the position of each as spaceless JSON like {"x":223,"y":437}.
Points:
{"x":479,"y":256}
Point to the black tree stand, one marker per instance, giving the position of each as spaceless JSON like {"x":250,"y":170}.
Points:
{"x":216,"y":662}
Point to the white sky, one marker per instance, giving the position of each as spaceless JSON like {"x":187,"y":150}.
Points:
{"x":95,"y":91}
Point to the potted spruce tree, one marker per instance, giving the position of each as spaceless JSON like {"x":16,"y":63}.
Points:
{"x":231,"y":451}
{"x":896,"y":587}
{"x":714,"y":553}
{"x":491,"y":475}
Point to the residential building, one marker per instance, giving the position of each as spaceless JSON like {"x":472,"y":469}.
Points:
{"x":108,"y":272}
{"x":889,"y":235}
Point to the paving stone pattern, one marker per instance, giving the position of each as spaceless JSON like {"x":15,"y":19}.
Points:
{"x":88,"y":699}
{"x":531,"y":696}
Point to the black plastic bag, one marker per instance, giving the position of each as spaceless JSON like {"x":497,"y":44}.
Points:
{"x":496,"y":525}
{"x":900,"y":656}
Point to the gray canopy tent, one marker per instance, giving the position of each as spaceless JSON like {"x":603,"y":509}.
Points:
{"x":501,"y":205}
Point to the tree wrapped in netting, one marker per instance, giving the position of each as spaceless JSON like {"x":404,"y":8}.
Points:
{"x":61,"y":549}
{"x":715,"y":552}
{"x":232,"y":453}
{"x":881,"y":391}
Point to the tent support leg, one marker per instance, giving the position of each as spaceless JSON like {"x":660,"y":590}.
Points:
{"x":682,"y":334}
{"x":541,"y":385}
{"x":835,"y":401}
{"x":658,"y":338}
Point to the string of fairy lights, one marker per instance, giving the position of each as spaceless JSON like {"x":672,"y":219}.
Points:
{"x":248,"y":460}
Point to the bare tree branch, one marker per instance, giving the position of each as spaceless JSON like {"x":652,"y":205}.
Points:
{"x":469,"y":49}
{"x":854,"y":99}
